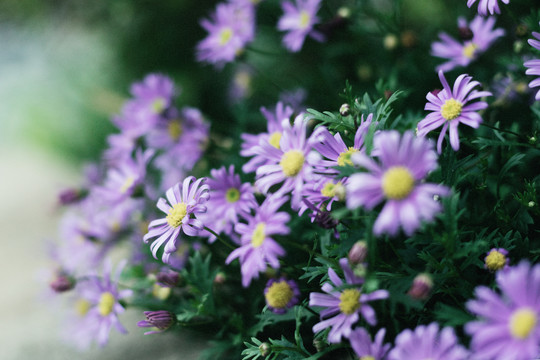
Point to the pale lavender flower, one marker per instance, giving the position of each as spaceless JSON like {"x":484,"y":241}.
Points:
{"x":99,"y":304}
{"x":450,"y":107}
{"x":186,"y":200}
{"x":293,"y":163}
{"x":161,"y":320}
{"x":334,"y":150}
{"x":343,"y":303}
{"x":250,"y":142}
{"x":229,"y":198}
{"x":281,"y":294}
{"x":534,"y":65}
{"x":485,"y":6}
{"x":463,"y":53}
{"x":398,"y":180}
{"x":231,"y":28}
{"x":427,"y":342}
{"x":365,"y":348}
{"x":259,"y":249}
{"x":325,"y":189}
{"x":120,"y":147}
{"x":509,"y":324}
{"x":298,"y":20}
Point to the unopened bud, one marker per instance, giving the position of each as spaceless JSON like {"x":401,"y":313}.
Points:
{"x":344,"y":12}
{"x":161,"y":319}
{"x":62,"y":283}
{"x":345,"y":110}
{"x":390,"y":42}
{"x":168,"y":278}
{"x":71,"y":196}
{"x":265,"y":349}
{"x":220,"y":278}
{"x":531,"y":204}
{"x":408,"y":38}
{"x":358,"y":252}
{"x":421,"y":286}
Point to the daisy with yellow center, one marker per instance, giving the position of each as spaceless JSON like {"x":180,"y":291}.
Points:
{"x":281,"y":294}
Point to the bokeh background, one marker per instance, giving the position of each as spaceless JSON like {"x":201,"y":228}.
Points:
{"x":65,"y":69}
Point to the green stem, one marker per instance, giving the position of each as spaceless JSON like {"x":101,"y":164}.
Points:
{"x":501,"y":130}
{"x":219,"y":238}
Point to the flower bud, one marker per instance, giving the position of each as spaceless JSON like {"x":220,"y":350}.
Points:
{"x":161,"y":319}
{"x":345,"y":110}
{"x":265,"y":349}
{"x":358,"y":252}
{"x":220,"y":278}
{"x":168,"y":278}
{"x":62,"y":283}
{"x":390,"y":42}
{"x":421,"y":286}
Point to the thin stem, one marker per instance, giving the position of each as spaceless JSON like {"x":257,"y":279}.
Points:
{"x":501,"y":130}
{"x":219,"y":238}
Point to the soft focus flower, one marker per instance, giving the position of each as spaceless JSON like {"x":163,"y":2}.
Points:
{"x":161,"y":320}
{"x":320,"y":190}
{"x":496,"y":259}
{"x":509,"y":324}
{"x":450,"y":108}
{"x":534,"y":65}
{"x":463,"y":53}
{"x":421,"y":286}
{"x":343,"y":304}
{"x":258,"y":249}
{"x":487,"y":5}
{"x":427,"y":342}
{"x":365,"y":349}
{"x":184,"y":203}
{"x":231,"y":28}
{"x":281,"y":294}
{"x":293,"y":163}
{"x":404,"y":161}
{"x":229,"y":198}
{"x":298,"y":20}
{"x":358,"y":252}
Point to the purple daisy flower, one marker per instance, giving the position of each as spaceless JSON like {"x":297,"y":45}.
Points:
{"x":334,"y":149}
{"x":102,"y":307}
{"x":534,"y":65}
{"x":398,"y":180}
{"x":487,"y":5}
{"x":462,"y":54}
{"x":250,"y":144}
{"x":229,"y":198}
{"x":317,"y":192}
{"x":496,"y":259}
{"x":185,"y":203}
{"x":298,"y":20}
{"x":509,"y":324}
{"x":427,"y":342}
{"x":292,"y":164}
{"x":343,"y":302}
{"x":231,"y":27}
{"x":258,"y":249}
{"x":366,"y":349}
{"x":450,"y":108}
{"x":281,"y":294}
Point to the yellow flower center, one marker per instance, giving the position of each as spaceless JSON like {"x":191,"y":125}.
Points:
{"x":232,"y":195}
{"x":397,"y":183}
{"x":366,"y":357}
{"x":158,"y":105}
{"x":349,"y":301}
{"x":495,"y":260}
{"x":274,"y":139}
{"x":329,"y":189}
{"x":469,"y":50}
{"x":225,"y":36}
{"x":292,"y":162}
{"x":279,"y":294}
{"x":176,"y":214}
{"x":522,"y":323}
{"x":345,"y":157}
{"x":304,"y":19}
{"x":106,"y":304}
{"x":127,"y":184}
{"x":175,"y":129}
{"x":257,"y":238}
{"x":82,"y":306}
{"x":451,"y":109}
{"x":161,"y":292}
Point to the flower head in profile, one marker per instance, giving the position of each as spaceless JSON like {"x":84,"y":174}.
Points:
{"x":485,"y":6}
{"x":258,"y":249}
{"x":281,"y":294}
{"x":508,"y":325}
{"x":231,"y":27}
{"x":160,"y":320}
{"x":365,"y":348}
{"x":183,"y":202}
{"x":298,"y":20}
{"x":427,"y":342}
{"x":463,"y":53}
{"x":343,"y":302}
{"x":452,"y":106}
{"x":98,"y":307}
{"x":534,"y":65}
{"x":229,"y":199}
{"x":398,"y":180}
